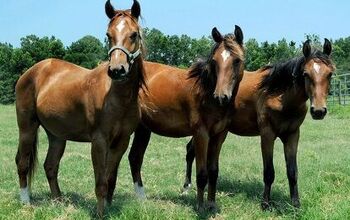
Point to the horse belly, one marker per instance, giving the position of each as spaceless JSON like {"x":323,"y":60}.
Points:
{"x":170,"y":124}
{"x":65,"y":125}
{"x":244,"y":123}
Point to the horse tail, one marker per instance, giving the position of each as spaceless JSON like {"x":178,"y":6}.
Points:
{"x":33,"y":159}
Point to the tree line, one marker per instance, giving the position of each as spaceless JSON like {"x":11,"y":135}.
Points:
{"x":174,"y":50}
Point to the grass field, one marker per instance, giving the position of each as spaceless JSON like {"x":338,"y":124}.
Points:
{"x":324,"y":178}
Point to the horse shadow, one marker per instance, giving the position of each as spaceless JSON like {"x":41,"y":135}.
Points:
{"x":87,"y":204}
{"x":251,"y":190}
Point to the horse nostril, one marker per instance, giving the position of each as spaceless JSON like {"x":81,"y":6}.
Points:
{"x":122,"y":70}
{"x":325,"y":110}
{"x":225,"y":99}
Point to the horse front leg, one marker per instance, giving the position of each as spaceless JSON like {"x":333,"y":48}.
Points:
{"x":114,"y":155}
{"x":136,"y":155}
{"x":200,"y":143}
{"x":214,"y":148}
{"x":98,"y":155}
{"x":290,"y":153}
{"x":267,"y":143}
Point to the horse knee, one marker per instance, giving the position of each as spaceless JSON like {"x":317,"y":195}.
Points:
{"x":202,"y":178}
{"x":213,"y":175}
{"x":50,"y":170}
{"x":269,"y":176}
{"x":292,"y":175}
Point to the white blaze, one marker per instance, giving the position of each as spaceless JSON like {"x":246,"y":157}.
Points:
{"x":317,"y":67}
{"x":225,"y":54}
{"x":121,"y":25}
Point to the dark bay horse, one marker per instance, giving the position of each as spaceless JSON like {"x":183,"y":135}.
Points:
{"x":271,"y":103}
{"x":192,"y":102}
{"x":73,"y":103}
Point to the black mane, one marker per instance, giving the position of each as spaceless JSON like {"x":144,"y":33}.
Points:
{"x":203,"y":73}
{"x":283,"y":75}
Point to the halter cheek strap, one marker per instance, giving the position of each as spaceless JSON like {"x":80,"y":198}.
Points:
{"x":130,"y":56}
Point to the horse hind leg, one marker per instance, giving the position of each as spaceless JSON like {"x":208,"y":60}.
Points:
{"x":190,"y":155}
{"x":136,"y":155}
{"x":52,"y":161}
{"x":26,"y":157}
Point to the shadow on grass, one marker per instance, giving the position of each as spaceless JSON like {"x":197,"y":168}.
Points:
{"x":252,"y":190}
{"x":87,"y":204}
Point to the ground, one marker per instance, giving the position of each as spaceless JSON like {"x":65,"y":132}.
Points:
{"x":324,"y":178}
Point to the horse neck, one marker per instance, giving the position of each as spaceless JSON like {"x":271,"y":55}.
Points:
{"x":295,"y":96}
{"x":130,"y":88}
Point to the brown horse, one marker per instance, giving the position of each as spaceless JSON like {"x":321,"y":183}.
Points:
{"x":192,"y":102}
{"x":271,"y":102}
{"x":77,"y":104}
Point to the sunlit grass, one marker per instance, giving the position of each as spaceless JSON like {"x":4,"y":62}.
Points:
{"x":324,"y":178}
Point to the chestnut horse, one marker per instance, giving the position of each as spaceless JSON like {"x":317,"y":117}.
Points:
{"x":192,"y":102}
{"x":77,"y":104}
{"x":271,"y":102}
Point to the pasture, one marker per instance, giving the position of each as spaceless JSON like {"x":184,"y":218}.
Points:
{"x":324,"y":178}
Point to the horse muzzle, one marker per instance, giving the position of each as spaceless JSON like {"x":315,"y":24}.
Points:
{"x":118,"y":74}
{"x":223,"y":100}
{"x":318,"y":113}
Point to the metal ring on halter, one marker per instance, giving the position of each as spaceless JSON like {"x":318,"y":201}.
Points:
{"x":130,"y":56}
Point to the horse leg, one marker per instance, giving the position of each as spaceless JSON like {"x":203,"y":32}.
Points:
{"x":290,"y":153}
{"x":26,"y":157}
{"x":267,"y":144}
{"x":98,"y":155}
{"x":141,"y":138}
{"x":200,"y":142}
{"x":52,"y":161}
{"x":114,"y":155}
{"x":214,"y":148}
{"x":189,"y":161}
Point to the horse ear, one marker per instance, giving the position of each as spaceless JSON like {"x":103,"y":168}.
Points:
{"x":239,"y":35}
{"x":307,"y":48}
{"x":136,"y":9}
{"x":218,"y":38}
{"x":327,"y":47}
{"x":110,"y":12}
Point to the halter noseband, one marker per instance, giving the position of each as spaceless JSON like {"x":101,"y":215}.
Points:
{"x":130,"y":56}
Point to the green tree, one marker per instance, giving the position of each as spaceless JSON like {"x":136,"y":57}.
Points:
{"x":42,"y":48}
{"x":87,"y":52}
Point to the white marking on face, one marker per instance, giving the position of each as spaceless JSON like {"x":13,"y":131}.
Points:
{"x":121,"y":25}
{"x":317,"y":67}
{"x":225,"y":55}
{"x":139,"y":190}
{"x":24,"y":195}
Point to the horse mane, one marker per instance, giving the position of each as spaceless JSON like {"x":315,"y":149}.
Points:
{"x":284,"y":75}
{"x":202,"y":71}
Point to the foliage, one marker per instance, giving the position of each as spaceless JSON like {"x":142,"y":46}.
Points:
{"x":173,"y":50}
{"x":87,"y":52}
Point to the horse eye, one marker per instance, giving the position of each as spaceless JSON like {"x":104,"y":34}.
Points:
{"x":305,"y":74}
{"x":236,"y":61}
{"x":133,"y":36}
{"x":108,"y":36}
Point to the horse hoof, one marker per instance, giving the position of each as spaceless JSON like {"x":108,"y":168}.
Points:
{"x":25,"y":196}
{"x":296,"y":203}
{"x":200,"y":209}
{"x":212,"y":207}
{"x":265,"y":206}
{"x":140,"y":192}
{"x":186,"y":189}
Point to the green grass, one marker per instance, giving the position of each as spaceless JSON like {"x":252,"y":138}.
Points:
{"x":324,"y":178}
